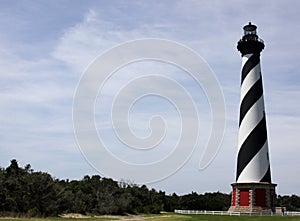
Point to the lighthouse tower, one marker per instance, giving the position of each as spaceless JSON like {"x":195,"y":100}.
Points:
{"x":253,"y":190}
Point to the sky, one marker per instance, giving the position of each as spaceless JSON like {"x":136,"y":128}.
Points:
{"x":48,"y":46}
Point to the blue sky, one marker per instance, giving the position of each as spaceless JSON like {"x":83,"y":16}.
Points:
{"x":47,"y":45}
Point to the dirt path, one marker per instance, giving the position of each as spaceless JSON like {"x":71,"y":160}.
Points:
{"x":123,"y":218}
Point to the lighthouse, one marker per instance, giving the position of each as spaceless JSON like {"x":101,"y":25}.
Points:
{"x":253,"y":190}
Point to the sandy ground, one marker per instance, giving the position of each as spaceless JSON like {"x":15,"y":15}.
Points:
{"x":123,"y":218}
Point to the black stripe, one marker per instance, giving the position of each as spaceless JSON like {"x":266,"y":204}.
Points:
{"x":267,"y":176}
{"x":254,"y":142}
{"x":251,"y":98}
{"x":250,"y":64}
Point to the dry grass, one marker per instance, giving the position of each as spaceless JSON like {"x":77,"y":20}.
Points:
{"x":161,"y":217}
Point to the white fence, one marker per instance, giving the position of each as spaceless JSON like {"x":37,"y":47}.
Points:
{"x":205,"y":212}
{"x":292,"y":213}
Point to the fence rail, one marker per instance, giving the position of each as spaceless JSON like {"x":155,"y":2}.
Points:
{"x":206,"y":212}
{"x":292,"y":213}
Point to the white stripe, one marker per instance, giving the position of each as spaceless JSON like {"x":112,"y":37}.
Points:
{"x":250,"y":80}
{"x":256,"y":168}
{"x":250,"y":120}
{"x":245,"y":58}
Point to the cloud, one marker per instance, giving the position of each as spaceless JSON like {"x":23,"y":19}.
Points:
{"x":45,"y":52}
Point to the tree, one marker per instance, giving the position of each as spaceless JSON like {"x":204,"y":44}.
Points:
{"x":26,"y":192}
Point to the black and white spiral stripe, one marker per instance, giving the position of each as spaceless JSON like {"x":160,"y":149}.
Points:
{"x":253,"y":159}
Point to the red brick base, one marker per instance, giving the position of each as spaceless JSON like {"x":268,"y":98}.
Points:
{"x":253,"y":197}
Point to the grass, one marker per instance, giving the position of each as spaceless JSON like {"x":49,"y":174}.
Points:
{"x":243,"y":218}
{"x":175,"y":217}
{"x":166,"y":217}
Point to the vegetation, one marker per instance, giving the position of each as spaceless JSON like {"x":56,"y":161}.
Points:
{"x":169,"y":217}
{"x":24,"y":192}
{"x":292,"y":203}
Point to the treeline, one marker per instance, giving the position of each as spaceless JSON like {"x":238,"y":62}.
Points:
{"x":292,"y":203}
{"x":24,"y":192}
